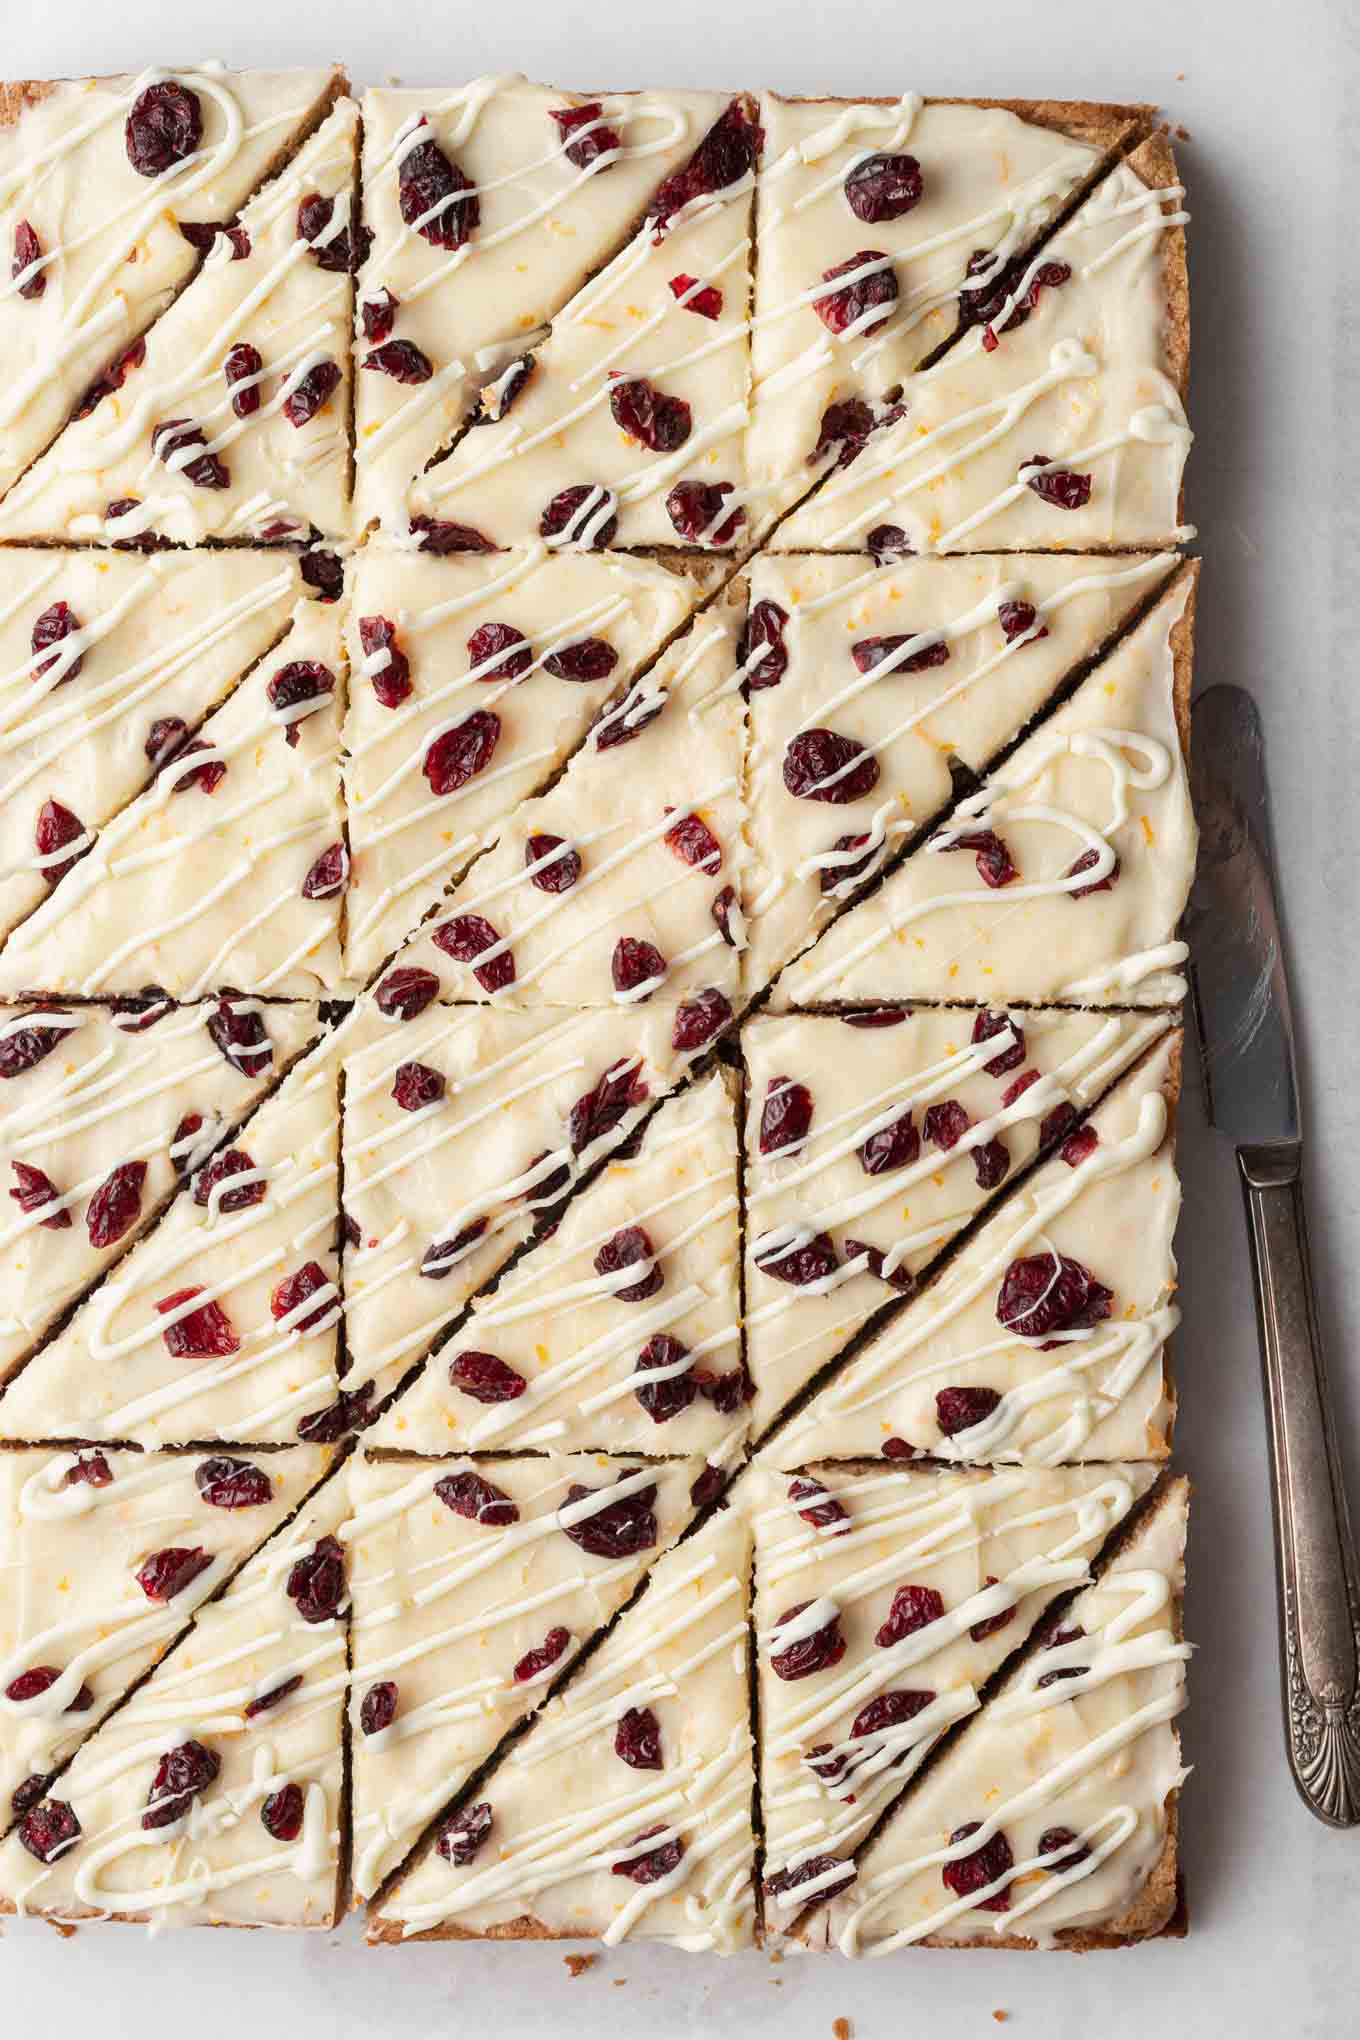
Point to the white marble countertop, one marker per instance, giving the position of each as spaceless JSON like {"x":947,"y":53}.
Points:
{"x":1267,"y":93}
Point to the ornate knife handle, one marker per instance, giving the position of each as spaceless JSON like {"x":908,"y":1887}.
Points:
{"x":1318,"y":1578}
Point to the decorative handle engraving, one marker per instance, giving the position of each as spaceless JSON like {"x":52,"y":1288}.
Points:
{"x":1319,"y":1582}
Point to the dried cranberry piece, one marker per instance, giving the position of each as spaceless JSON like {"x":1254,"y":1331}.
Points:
{"x":645,"y":413}
{"x":991,"y":1163}
{"x":486,"y":644}
{"x":316,"y":1582}
{"x":302,"y":683}
{"x":164,"y":126}
{"x":872,"y":652}
{"x":348,"y":1233}
{"x":1018,"y":1088}
{"x":168,"y":1572}
{"x":242,"y":1037}
{"x":969,"y":1874}
{"x":462,"y":752}
{"x":663,"y":1400}
{"x":56,"y":826}
{"x":402,"y":360}
{"x":888,"y":543}
{"x":726,"y":154}
{"x":113,"y":378}
{"x":226,"y":1483}
{"x":1061,"y":1843}
{"x":1085,"y":862}
{"x":1079,"y":1146}
{"x":958,"y":1409}
{"x":913,"y":1607}
{"x":892,"y":1147}
{"x":36,"y":1188}
{"x":877,"y":1260}
{"x":328,"y":875}
{"x":803,"y":1873}
{"x":205,"y":470}
{"x":985,"y":1027}
{"x":846,"y":425}
{"x":542,"y":1658}
{"x":599,"y":1110}
{"x":637,"y":711}
{"x":707,"y":1487}
{"x":881,"y":1016}
{"x":324,"y":573}
{"x":48,"y":1829}
{"x":699,"y":1020}
{"x":243,"y":365}
{"x":559,"y":876}
{"x":308,"y":1280}
{"x":416,"y":1085}
{"x":30,"y":1791}
{"x":468,"y":936}
{"x":275,"y":1697}
{"x":983,"y":305}
{"x":990,"y":1624}
{"x":26,"y":1046}
{"x":136,"y":1011}
{"x":442,"y":1256}
{"x":336,"y":254}
{"x":379,"y":314}
{"x":93,"y":1471}
{"x":392,"y":681}
{"x":165,"y":740}
{"x":204,"y":1334}
{"x":946,"y":1124}
{"x":655,"y":1864}
{"x":815,"y":1503}
{"x":378,"y":1708}
{"x":429,"y":189}
{"x":308,"y":394}
{"x":56,"y":623}
{"x":637,"y":1739}
{"x":40,"y":1679}
{"x":28,"y":249}
{"x":763,"y":650}
{"x":404,"y":994}
{"x":882,"y":187}
{"x":786,"y":1116}
{"x":727,"y":916}
{"x":636,"y":963}
{"x":993,"y":858}
{"x":694,"y":843}
{"x":581,"y":515}
{"x":1058,"y":486}
{"x":281,"y":1813}
{"x":821,"y":764}
{"x":1017,"y":618}
{"x":873,"y":293}
{"x":206,"y":778}
{"x":234,"y":1162}
{"x":625,"y":1249}
{"x":583,"y":149}
{"x":1043,"y":1293}
{"x":898,"y":1448}
{"x":469,"y":1495}
{"x":708,"y":302}
{"x":588,"y":659}
{"x":816,"y":1653}
{"x":440,"y":536}
{"x":463,"y":1834}
{"x":890,"y":1710}
{"x":349,"y":1412}
{"x":116,"y":1204}
{"x":485,"y":1378}
{"x":620,"y":1529}
{"x":696,"y":511}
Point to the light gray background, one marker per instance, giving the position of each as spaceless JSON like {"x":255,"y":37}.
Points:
{"x":1268,"y":93}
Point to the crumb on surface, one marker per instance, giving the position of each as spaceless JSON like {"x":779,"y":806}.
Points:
{"x":842,"y":2029}
{"x":577,"y":1965}
{"x":1001,"y":2017}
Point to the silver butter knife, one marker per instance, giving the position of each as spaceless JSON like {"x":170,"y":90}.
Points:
{"x":1247,"y":1035}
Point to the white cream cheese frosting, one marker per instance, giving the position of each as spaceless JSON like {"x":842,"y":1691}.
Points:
{"x":111,"y":250}
{"x":1089,"y":838}
{"x":232,"y":418}
{"x":913,"y":1126}
{"x":106,"y":661}
{"x":1106,"y":1203}
{"x":622,"y":1330}
{"x":97,"y":1132}
{"x":230,"y":869}
{"x":646,"y":1758}
{"x":458,"y":1573}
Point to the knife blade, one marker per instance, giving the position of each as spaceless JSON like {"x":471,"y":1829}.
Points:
{"x":1246,"y":1027}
